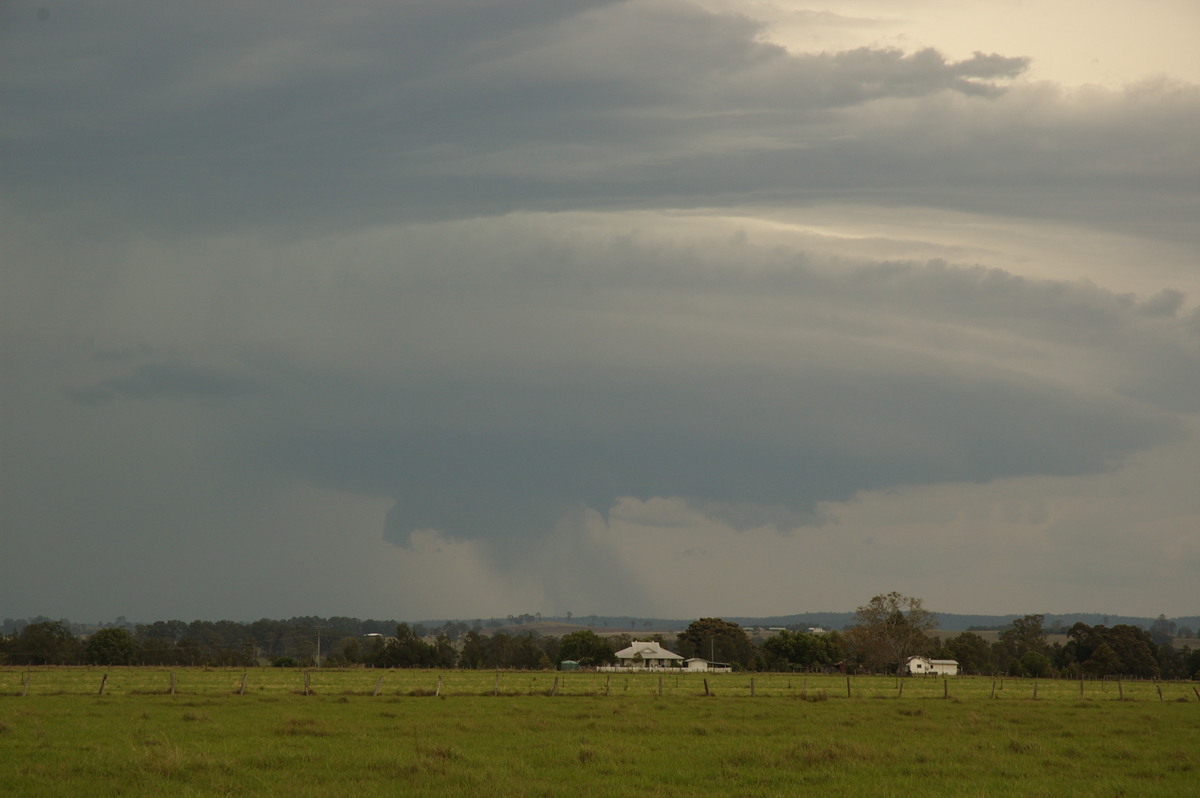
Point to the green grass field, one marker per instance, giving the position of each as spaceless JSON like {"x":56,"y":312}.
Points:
{"x":797,"y":735}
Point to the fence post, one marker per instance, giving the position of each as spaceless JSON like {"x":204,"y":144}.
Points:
{"x":378,"y":685}
{"x":103,"y":682}
{"x":1158,"y":687}
{"x":752,"y":687}
{"x":438,"y":692}
{"x":242,"y":687}
{"x":706,"y":686}
{"x":496,"y":688}
{"x":25,"y":685}
{"x":1120,"y":690}
{"x":660,"y":686}
{"x":848,"y":686}
{"x":993,"y":688}
{"x":1035,"y":681}
{"x":306,"y":678}
{"x":1081,"y":686}
{"x":172,"y":688}
{"x":945,"y":687}
{"x":554,"y":689}
{"x":901,"y":689}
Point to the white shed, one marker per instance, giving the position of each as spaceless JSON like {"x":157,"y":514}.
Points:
{"x":919,"y":666}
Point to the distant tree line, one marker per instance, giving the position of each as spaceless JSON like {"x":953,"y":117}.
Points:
{"x":892,"y":628}
{"x":887,"y":631}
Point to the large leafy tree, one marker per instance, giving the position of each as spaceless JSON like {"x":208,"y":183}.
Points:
{"x":111,"y":646}
{"x":890,"y":629}
{"x":1027,"y":634}
{"x":973,"y":653}
{"x":1123,"y":649}
{"x":802,"y":650}
{"x":717,"y":640}
{"x":585,"y":647}
{"x":44,"y":643}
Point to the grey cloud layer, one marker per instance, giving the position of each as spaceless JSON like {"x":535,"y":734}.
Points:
{"x":488,"y":401}
{"x":440,"y":110}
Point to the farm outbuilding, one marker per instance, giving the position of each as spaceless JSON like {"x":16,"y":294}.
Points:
{"x":920,"y":666}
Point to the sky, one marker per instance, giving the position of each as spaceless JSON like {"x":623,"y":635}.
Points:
{"x":665,"y":308}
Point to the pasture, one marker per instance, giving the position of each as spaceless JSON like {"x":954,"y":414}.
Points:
{"x":548,"y":734}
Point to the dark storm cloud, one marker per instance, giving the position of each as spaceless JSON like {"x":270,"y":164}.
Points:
{"x":414,"y":111}
{"x":281,"y":277}
{"x":652,"y":372}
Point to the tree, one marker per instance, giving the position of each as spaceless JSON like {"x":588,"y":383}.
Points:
{"x":408,"y":650}
{"x":44,"y":643}
{"x":1031,"y":663}
{"x":1123,"y":649}
{"x":1025,"y":635}
{"x":890,"y":629}
{"x":1103,"y":661}
{"x":112,"y":646}
{"x":585,"y":647}
{"x":717,"y":640}
{"x":1162,"y":630}
{"x":801,"y":649}
{"x":973,"y":653}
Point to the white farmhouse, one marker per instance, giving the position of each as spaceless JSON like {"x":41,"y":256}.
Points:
{"x":919,"y":666}
{"x":647,"y":654}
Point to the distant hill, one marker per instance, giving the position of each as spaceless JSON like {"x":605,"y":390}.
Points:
{"x":949,"y":622}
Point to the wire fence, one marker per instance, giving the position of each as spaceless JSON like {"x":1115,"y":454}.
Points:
{"x":145,"y":681}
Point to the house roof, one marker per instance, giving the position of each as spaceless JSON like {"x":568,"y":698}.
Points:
{"x":648,"y":649}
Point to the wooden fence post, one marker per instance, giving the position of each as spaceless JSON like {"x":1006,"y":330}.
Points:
{"x":1158,"y":687}
{"x":25,"y":684}
{"x":378,"y":685}
{"x":901,"y":695}
{"x":752,"y":687}
{"x":706,"y":686}
{"x":306,"y":678}
{"x":496,"y":688}
{"x":242,"y":687}
{"x":554,"y":689}
{"x":1120,"y":690}
{"x":1035,"y":681}
{"x":172,"y":688}
{"x":848,"y":686}
{"x":103,"y":682}
{"x":993,"y":688}
{"x":945,"y":687}
{"x":1081,"y":686}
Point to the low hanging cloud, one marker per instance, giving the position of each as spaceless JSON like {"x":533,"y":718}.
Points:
{"x":570,"y":373}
